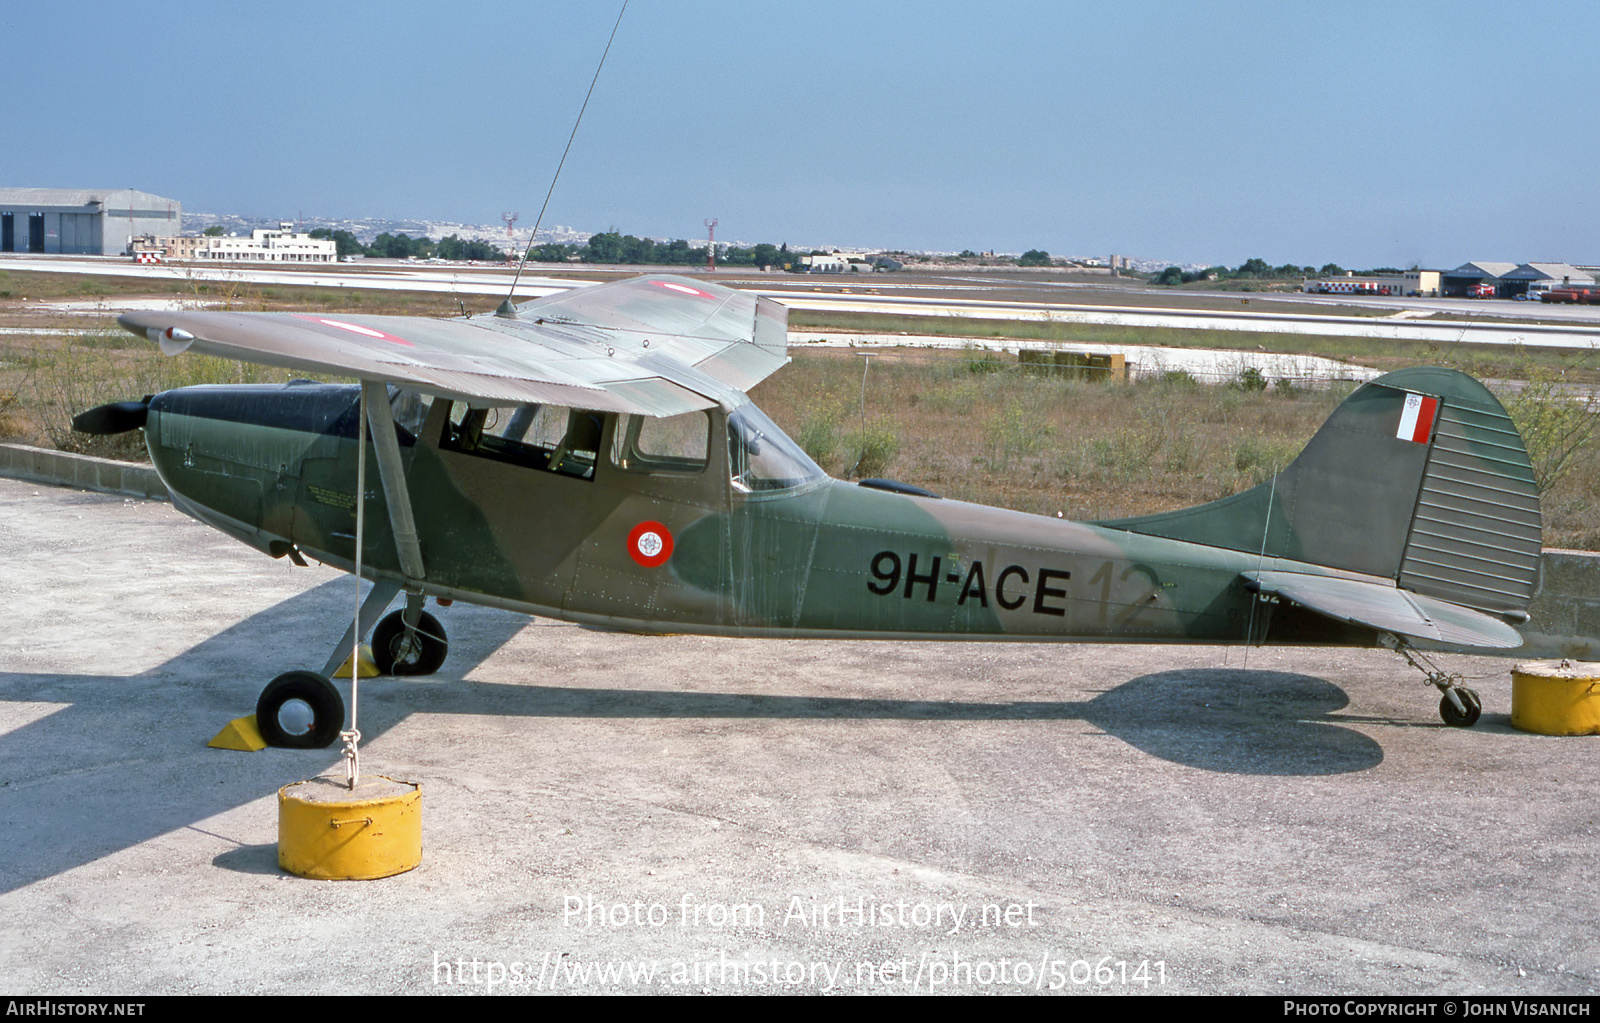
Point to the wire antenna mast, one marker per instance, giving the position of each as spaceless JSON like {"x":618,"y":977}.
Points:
{"x":506,"y":307}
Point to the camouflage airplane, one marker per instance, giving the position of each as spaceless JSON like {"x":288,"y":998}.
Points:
{"x":592,"y":456}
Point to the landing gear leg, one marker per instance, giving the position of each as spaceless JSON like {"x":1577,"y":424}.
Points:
{"x":379,"y":597}
{"x":1459,"y":707}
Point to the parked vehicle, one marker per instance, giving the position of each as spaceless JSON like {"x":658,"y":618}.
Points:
{"x":1571,"y":296}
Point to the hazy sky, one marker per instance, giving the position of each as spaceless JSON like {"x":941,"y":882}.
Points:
{"x":1364,"y":134}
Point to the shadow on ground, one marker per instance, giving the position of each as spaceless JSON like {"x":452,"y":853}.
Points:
{"x":139,"y":773}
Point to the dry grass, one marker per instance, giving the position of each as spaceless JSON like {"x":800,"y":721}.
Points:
{"x":55,"y":378}
{"x":1092,"y":451}
{"x":1042,"y":444}
{"x":970,"y":427}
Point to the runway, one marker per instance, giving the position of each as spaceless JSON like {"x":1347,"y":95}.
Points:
{"x":945,"y":296}
{"x":1536,"y":335}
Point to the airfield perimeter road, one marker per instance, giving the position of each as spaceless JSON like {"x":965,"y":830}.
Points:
{"x":1306,"y":825}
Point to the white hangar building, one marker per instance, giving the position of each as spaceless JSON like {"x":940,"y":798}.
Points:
{"x":84,"y":221}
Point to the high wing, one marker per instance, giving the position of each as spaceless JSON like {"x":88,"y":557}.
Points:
{"x":656,"y":345}
{"x":1384,"y":607}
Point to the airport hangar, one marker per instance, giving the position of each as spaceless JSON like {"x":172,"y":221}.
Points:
{"x":83,"y":221}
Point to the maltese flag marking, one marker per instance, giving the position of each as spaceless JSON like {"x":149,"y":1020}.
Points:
{"x":1416,"y":421}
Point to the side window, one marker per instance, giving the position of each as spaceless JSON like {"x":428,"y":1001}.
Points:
{"x":526,"y":435}
{"x":539,"y":425}
{"x":676,"y":444}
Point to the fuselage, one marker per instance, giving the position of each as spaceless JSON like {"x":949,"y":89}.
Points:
{"x":722,"y":528}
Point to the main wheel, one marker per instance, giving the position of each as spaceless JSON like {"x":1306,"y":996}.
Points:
{"x":400,"y":651}
{"x":300,"y":710}
{"x":1455,"y":718}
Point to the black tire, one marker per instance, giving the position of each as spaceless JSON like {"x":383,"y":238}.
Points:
{"x":300,"y":710}
{"x":1456,"y":719}
{"x":421,"y":653}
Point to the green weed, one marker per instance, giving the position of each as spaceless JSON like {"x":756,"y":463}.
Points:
{"x":1556,"y":423}
{"x":1250,"y":379}
{"x":982,"y":360}
{"x":871,"y":449}
{"x":1014,"y":432}
{"x":1259,"y":459}
{"x":818,"y":435}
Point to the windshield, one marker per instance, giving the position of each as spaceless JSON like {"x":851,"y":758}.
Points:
{"x":410,"y":409}
{"x":762,"y":457}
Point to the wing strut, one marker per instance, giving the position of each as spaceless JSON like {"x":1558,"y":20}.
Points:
{"x":375,"y":395}
{"x":401,"y":522}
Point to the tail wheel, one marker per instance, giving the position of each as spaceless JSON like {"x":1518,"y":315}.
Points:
{"x":300,"y":710}
{"x":1467,"y":714}
{"x":401,"y":651}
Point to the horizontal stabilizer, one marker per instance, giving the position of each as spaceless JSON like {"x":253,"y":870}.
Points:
{"x":1383,"y":607}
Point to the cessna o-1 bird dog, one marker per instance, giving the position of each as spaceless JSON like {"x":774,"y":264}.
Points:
{"x":592,"y":456}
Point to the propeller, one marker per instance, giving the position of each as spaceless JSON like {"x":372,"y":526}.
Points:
{"x":117,"y":417}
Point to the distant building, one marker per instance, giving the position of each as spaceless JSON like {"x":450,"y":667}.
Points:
{"x":838,"y":262}
{"x":1532,"y":278}
{"x":1425,"y":283}
{"x":824,"y":264}
{"x":1458,"y":281}
{"x":285,"y":245}
{"x":83,"y":221}
{"x":1511,"y":279}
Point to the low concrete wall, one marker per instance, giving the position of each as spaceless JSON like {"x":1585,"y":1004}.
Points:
{"x":43,"y":465}
{"x":1565,"y":613}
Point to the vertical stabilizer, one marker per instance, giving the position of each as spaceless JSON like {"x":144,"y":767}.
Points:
{"x":1419,"y":476}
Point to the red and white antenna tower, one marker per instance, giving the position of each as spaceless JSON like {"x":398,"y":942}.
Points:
{"x":511,"y":237}
{"x":711,"y":249}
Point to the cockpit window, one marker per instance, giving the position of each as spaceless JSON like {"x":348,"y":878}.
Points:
{"x":548,"y":437}
{"x":762,"y":458}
